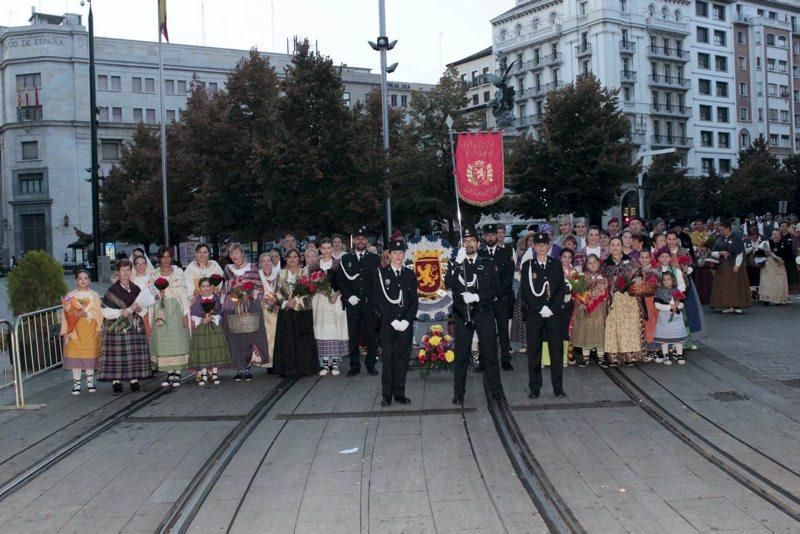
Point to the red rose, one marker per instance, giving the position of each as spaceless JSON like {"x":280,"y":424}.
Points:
{"x":248,"y":286}
{"x":161,"y":283}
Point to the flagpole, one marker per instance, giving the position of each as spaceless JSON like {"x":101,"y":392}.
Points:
{"x":449,"y":122}
{"x":163,"y":134}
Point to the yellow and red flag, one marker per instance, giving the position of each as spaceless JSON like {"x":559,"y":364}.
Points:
{"x":162,"y":19}
{"x":479,"y":165}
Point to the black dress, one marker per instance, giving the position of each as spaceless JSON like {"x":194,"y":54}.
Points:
{"x":295,"y":347}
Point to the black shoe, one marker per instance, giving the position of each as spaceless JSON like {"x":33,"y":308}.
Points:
{"x":353,"y":372}
{"x":239,"y":376}
{"x":582,"y":363}
{"x":386,"y":401}
{"x":603,"y":364}
{"x":116,"y":387}
{"x":458,"y":400}
{"x":372,"y":372}
{"x":136,"y":386}
{"x":248,"y":375}
{"x":507,"y":366}
{"x":533,"y":395}
{"x":560,"y":395}
{"x":402,"y":399}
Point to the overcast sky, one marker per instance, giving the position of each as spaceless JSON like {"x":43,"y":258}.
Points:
{"x":341,"y":28}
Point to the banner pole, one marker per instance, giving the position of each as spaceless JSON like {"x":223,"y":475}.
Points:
{"x":449,"y":122}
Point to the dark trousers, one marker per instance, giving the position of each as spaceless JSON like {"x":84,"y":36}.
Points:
{"x":538,"y":330}
{"x":361,"y":319}
{"x":396,"y":348}
{"x":484,"y":324}
{"x":503,"y":310}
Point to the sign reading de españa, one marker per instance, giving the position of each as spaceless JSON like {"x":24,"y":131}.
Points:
{"x":479,"y":167}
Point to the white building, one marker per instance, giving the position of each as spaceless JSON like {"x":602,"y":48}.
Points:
{"x":473,"y":70}
{"x":44,"y":117}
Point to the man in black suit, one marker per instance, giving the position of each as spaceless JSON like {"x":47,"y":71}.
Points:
{"x":542,"y":289}
{"x":396,"y":302}
{"x":503,"y":307}
{"x":356,"y":280}
{"x":474,"y":284}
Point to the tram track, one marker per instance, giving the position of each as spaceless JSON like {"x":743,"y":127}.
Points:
{"x":774,"y":494}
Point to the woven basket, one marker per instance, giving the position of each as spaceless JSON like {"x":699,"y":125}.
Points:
{"x":243,"y":323}
{"x":642,"y":289}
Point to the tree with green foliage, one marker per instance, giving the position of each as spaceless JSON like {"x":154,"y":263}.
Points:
{"x":758,"y":183}
{"x":36,"y":282}
{"x":792,"y":166}
{"x":670,"y":193}
{"x":583,"y":159}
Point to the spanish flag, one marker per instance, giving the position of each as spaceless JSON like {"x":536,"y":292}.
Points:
{"x":162,"y":19}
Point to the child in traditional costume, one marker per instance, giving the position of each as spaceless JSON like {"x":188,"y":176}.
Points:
{"x":208,"y":346}
{"x":670,"y":330}
{"x":81,"y":323}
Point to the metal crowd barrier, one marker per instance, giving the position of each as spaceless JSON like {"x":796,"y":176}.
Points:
{"x":36,"y":346}
{"x":6,"y":354}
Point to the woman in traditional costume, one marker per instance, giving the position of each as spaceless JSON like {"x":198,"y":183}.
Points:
{"x":269,"y":280}
{"x":589,"y":330}
{"x":339,"y":247}
{"x":125,"y":352}
{"x":774,"y":286}
{"x":295,"y":348}
{"x":649,"y":274}
{"x":754,"y":257}
{"x":200,"y":267}
{"x":243,"y":320}
{"x":693,"y":314}
{"x":141,"y":277}
{"x":624,"y":339}
{"x":169,"y":336}
{"x":731,"y":289}
{"x":330,"y":318}
{"x":208,"y":349}
{"x":81,"y":323}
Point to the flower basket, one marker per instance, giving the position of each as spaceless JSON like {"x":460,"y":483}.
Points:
{"x":642,"y":289}
{"x":436,"y":353}
{"x":243,"y":323}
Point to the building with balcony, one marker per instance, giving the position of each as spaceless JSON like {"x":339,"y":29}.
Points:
{"x":473,"y":70}
{"x":44,"y":117}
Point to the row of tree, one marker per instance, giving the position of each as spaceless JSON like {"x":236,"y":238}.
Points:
{"x":269,"y":154}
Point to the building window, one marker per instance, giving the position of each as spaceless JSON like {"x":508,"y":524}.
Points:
{"x":116,"y":83}
{"x":169,"y":87}
{"x":770,"y":40}
{"x":582,"y":9}
{"x":181,"y":87}
{"x":782,"y":41}
{"x":784,"y":89}
{"x":702,"y":34}
{"x":627,"y":94}
{"x":758,"y":63}
{"x":740,"y":38}
{"x":722,"y":114}
{"x":475,"y":101}
{"x":744,"y":114}
{"x":719,"y":38}
{"x":772,"y":114}
{"x":721,"y":63}
{"x":703,"y":60}
{"x":772,"y":89}
{"x":30,"y":150}
{"x":29,"y":106}
{"x":705,"y":113}
{"x":723,"y":140}
{"x":102,"y":82}
{"x":706,"y":138}
{"x":742,"y":89}
{"x":32,"y":183}
{"x":784,"y":116}
{"x":487,"y":96}
{"x":102,"y":114}
{"x":109,"y":149}
{"x":773,"y":140}
{"x":150,"y":116}
{"x":742,"y":63}
{"x":213,"y":87}
{"x":722,"y":89}
{"x":760,"y":114}
{"x":724,"y":165}
{"x":136,"y":85}
{"x":623,"y":5}
{"x":704,"y":87}
{"x":116,"y":114}
{"x":137,"y":115}
{"x":744,"y":140}
{"x":785,"y":141}
{"x":701,"y":9}
{"x":393,"y":100}
{"x":170,"y":115}
{"x":149,"y":85}
{"x":404,"y":100}
{"x":707,"y":164}
{"x":783,"y":66}
{"x":719,"y":12}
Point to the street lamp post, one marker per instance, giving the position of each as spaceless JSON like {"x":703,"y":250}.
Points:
{"x":382,"y":46}
{"x":93,"y":143}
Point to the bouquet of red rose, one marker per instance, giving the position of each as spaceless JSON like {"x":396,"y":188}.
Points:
{"x":677,"y":296}
{"x":161,"y":284}
{"x":323,"y":283}
{"x":623,"y":284}
{"x":241,"y":293}
{"x":682,"y":261}
{"x":216,"y":279}
{"x":208,"y":305}
{"x":305,"y":286}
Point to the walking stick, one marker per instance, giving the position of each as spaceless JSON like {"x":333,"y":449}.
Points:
{"x":449,"y":122}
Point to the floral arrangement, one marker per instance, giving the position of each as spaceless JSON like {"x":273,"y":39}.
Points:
{"x":208,"y":304}
{"x":623,"y":284}
{"x":72,"y":306}
{"x":216,"y":279}
{"x":241,"y":293}
{"x":437,"y":350}
{"x":677,"y":296}
{"x":577,"y":283}
{"x":305,"y":286}
{"x":161,"y":284}
{"x":584,"y":293}
{"x":323,"y":283}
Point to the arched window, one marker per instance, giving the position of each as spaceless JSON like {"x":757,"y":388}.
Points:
{"x":518,"y":30}
{"x":651,"y":10}
{"x":553,"y":17}
{"x":678,"y":14}
{"x":664,"y":13}
{"x":740,"y":38}
{"x":744,"y":139}
{"x":535,"y":23}
{"x":770,"y":39}
{"x":503,"y":34}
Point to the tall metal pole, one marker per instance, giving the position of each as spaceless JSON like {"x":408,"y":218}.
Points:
{"x":163,"y":138}
{"x":449,"y":122}
{"x":93,"y":143}
{"x":385,"y":118}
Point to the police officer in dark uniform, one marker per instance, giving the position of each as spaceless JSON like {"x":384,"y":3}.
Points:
{"x":542,"y":289}
{"x":474,"y":283}
{"x":355,"y":278}
{"x":504,"y":305}
{"x":396,"y":301}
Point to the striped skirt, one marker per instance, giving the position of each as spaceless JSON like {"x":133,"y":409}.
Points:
{"x":124,"y":355}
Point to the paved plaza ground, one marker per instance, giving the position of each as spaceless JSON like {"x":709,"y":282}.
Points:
{"x":709,"y":446}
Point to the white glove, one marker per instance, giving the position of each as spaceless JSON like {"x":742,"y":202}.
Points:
{"x":469,"y":298}
{"x":567,"y":297}
{"x":546,"y":312}
{"x":353,"y":300}
{"x":461,"y":256}
{"x":403,"y":326}
{"x":396,"y":325}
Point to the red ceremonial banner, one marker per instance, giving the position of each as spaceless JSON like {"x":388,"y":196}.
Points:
{"x":479,"y":167}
